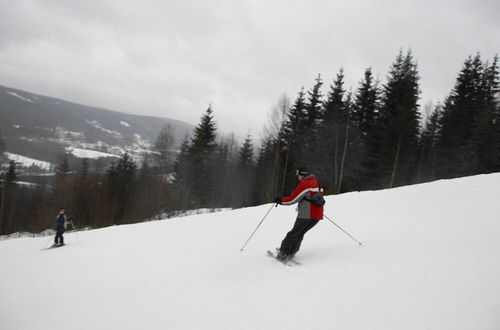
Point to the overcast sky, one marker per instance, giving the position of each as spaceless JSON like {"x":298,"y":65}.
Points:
{"x":174,"y":58}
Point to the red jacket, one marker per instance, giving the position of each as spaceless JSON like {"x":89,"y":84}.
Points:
{"x":306,"y":188}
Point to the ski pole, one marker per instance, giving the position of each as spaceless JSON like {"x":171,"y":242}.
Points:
{"x":50,"y":238}
{"x":261,"y":221}
{"x":74,"y":229}
{"x":344,"y":231}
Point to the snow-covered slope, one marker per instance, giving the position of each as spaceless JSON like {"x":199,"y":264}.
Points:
{"x":27,"y":161}
{"x":430,"y":261}
{"x":87,"y":153}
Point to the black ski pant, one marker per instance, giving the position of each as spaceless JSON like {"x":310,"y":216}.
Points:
{"x":59,"y":237}
{"x":292,"y":241}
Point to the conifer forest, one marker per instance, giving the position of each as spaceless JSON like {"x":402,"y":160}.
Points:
{"x":352,"y":138}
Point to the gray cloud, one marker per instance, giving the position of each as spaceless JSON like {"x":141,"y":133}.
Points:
{"x":174,"y":58}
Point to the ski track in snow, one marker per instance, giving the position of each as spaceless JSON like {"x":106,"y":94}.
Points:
{"x":430,"y":261}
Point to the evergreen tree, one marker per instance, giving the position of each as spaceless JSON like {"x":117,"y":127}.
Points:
{"x":484,"y":137}
{"x":348,"y":145}
{"x":311,"y":141}
{"x":296,"y":121}
{"x":11,"y":176}
{"x":333,"y":131}
{"x":313,"y":107}
{"x":496,"y":129}
{"x":364,"y":119}
{"x":222,"y":172}
{"x":264,"y":188}
{"x":366,"y":105}
{"x":121,"y":183}
{"x":427,"y":146}
{"x":201,"y":155}
{"x":182,"y":174}
{"x":458,"y":114}
{"x":245,"y":171}
{"x":394,"y":149}
{"x":291,"y":140}
{"x":8,"y":199}
{"x":83,"y":195}
{"x":467,"y":140}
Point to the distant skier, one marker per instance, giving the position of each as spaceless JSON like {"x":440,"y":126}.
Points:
{"x":309,"y":212}
{"x":60,"y":227}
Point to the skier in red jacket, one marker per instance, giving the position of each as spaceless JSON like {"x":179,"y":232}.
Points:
{"x":308,"y":216}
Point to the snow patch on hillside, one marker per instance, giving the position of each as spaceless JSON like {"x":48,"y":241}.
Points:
{"x":20,"y":97}
{"x":66,"y":135}
{"x":95,"y":124}
{"x":141,"y":145}
{"x":86,"y":153}
{"x":27,"y":184}
{"x":24,"y":161}
{"x":124,"y":123}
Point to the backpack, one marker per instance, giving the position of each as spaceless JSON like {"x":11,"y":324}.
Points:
{"x":317,"y":198}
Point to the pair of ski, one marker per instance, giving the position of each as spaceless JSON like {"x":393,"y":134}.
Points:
{"x":287,"y":262}
{"x":54,"y":246}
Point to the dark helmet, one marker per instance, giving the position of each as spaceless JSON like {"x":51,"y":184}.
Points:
{"x":302,"y":171}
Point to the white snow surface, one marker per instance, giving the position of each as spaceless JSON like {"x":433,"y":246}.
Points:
{"x":430,"y":260}
{"x":27,"y":161}
{"x":86,"y":153}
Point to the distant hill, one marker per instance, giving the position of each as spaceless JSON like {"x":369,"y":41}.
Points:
{"x":44,"y":128}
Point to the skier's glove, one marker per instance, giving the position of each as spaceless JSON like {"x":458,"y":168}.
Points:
{"x":277,"y":200}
